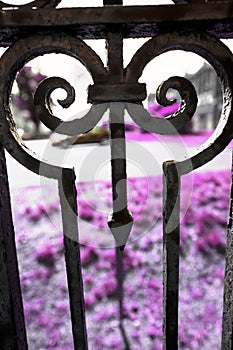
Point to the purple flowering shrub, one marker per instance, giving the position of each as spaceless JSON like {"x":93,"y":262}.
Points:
{"x":160,"y":111}
{"x":27,"y":82}
{"x":43,"y":280}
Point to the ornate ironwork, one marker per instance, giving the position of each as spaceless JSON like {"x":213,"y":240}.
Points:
{"x":38,"y":28}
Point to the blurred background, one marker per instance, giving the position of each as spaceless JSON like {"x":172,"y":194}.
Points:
{"x":204,"y":209}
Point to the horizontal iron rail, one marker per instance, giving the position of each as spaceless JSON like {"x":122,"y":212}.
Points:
{"x":138,"y":21}
{"x":116,"y":14}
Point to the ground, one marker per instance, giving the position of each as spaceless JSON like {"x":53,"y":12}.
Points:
{"x":203,"y":230}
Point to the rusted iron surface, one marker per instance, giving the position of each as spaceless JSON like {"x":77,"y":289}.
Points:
{"x":121,"y":221}
{"x":68,"y":200}
{"x":227,"y":321}
{"x":138,"y":21}
{"x":35,"y":32}
{"x":12,"y":325}
{"x":171,"y":250}
{"x":120,"y":279}
{"x":115,"y":92}
{"x":10,"y":65}
{"x":221,"y":59}
{"x":117,"y":14}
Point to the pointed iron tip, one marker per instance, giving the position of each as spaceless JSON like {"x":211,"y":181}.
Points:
{"x":120,"y":226}
{"x":122,"y":247}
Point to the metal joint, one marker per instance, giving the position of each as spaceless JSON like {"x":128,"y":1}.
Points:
{"x":130,"y":92}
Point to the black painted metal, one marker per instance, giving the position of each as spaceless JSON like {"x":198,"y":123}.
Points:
{"x":171,"y":245}
{"x":38,"y":28}
{"x":68,"y":200}
{"x":12,"y":325}
{"x":227,"y":322}
{"x":121,"y":220}
{"x":120,"y":279}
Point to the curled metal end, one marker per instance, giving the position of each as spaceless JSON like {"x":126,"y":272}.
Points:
{"x":175,"y":121}
{"x":161,"y":94}
{"x":72,"y":127}
{"x":42,"y":100}
{"x":188,"y":100}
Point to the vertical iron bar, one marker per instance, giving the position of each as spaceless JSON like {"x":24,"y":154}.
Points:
{"x":117,"y":128}
{"x":120,"y":278}
{"x":68,"y":196}
{"x":227,"y":320}
{"x":121,"y":220}
{"x":118,"y":157}
{"x":12,"y":324}
{"x":114,"y":45}
{"x":171,"y":245}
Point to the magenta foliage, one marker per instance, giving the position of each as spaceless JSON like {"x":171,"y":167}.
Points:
{"x":161,"y":111}
{"x":46,"y":255}
{"x":27,"y":82}
{"x":203,"y":231}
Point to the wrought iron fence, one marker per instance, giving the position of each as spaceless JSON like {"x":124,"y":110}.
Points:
{"x":39,"y":27}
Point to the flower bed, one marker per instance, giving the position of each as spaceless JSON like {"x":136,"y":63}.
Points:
{"x":203,"y":230}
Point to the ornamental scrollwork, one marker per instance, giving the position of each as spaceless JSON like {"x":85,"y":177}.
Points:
{"x":117,"y":89}
{"x":13,"y":60}
{"x":220,"y":58}
{"x":109,"y":88}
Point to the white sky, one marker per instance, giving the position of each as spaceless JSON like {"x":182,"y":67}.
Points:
{"x":87,"y":3}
